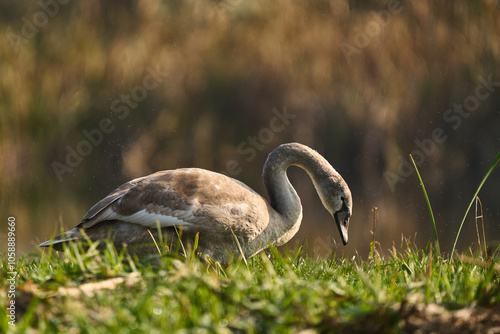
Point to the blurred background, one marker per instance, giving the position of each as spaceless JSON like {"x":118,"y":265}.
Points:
{"x":95,"y":93}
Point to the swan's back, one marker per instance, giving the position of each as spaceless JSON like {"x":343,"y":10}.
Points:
{"x":192,"y":197}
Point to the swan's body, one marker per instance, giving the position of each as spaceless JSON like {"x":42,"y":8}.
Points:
{"x":212,"y":205}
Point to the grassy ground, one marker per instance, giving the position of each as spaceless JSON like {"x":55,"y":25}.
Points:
{"x":405,"y":290}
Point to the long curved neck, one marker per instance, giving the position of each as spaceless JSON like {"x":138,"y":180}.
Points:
{"x":283,"y":197}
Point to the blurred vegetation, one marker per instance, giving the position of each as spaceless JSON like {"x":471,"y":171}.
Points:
{"x":232,"y":66}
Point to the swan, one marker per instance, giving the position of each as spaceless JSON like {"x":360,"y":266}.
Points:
{"x":216,"y":206}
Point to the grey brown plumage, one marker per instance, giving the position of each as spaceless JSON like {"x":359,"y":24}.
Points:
{"x":212,"y":205}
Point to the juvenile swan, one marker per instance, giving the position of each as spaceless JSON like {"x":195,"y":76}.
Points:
{"x":212,"y":205}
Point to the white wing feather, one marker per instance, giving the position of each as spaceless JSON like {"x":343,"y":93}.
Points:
{"x":144,"y":218}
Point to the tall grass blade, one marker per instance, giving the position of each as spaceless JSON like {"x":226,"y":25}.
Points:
{"x":240,"y":249}
{"x":195,"y":246}
{"x":479,"y":208}
{"x":492,"y":166}
{"x":372,"y":245}
{"x":298,"y":254}
{"x":154,"y":240}
{"x":160,"y":234}
{"x":179,"y":241}
{"x":428,"y":206}
{"x":477,"y":227}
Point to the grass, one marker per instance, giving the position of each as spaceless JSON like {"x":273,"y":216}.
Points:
{"x":93,"y":291}
{"x":475,"y":199}
{"x":436,"y":238}
{"x":490,"y":169}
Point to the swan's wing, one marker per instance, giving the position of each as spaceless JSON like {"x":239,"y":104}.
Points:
{"x":173,"y":198}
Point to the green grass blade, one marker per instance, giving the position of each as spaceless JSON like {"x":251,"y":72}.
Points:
{"x":492,"y":166}
{"x":239,"y":248}
{"x":160,"y":233}
{"x":152,"y":237}
{"x":179,"y":239}
{"x":195,"y":246}
{"x":428,"y":206}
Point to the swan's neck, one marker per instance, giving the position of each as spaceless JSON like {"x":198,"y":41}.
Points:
{"x":283,"y":197}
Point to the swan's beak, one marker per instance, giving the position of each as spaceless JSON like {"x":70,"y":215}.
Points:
{"x":342,"y":220}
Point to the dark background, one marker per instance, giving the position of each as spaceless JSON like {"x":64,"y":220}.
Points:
{"x":362,"y":82}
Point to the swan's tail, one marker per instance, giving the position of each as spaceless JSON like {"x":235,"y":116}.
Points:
{"x":60,"y":239}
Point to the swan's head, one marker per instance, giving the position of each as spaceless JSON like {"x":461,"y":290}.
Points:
{"x":342,"y":217}
{"x":336,"y":198}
